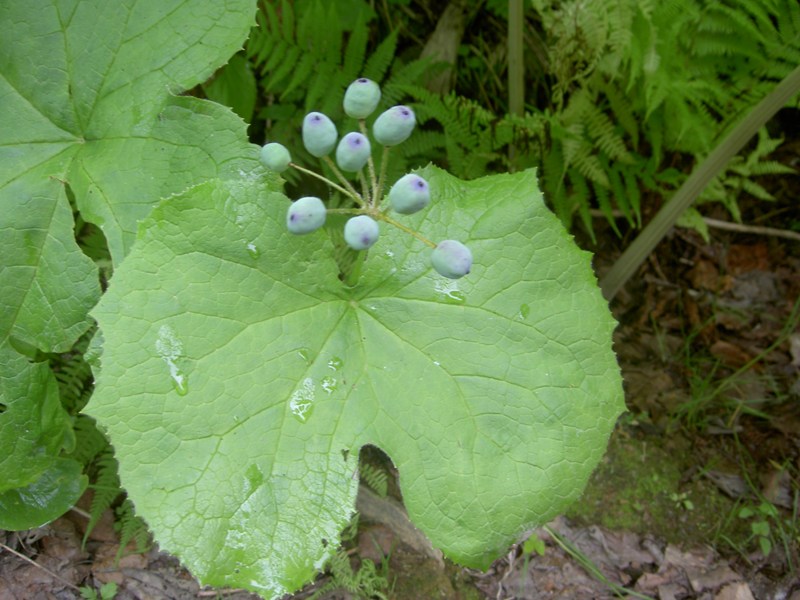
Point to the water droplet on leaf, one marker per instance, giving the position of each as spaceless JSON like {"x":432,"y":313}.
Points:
{"x":524,"y":311}
{"x":329,"y":384}
{"x":306,"y":354}
{"x":302,"y":401}
{"x":253,"y":250}
{"x":170,"y":349}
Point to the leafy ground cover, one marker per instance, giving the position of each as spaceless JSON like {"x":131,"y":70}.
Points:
{"x":697,"y":497}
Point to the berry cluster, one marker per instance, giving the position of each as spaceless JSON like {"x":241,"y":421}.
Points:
{"x":408,"y":195}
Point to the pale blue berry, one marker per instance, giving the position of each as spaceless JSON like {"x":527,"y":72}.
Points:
{"x":305,"y":215}
{"x":361,"y":98}
{"x":352,"y":152}
{"x":361,"y":232}
{"x":451,"y":259}
{"x":393,"y":126}
{"x":319,"y":134}
{"x":275,"y":157}
{"x":409,"y":194}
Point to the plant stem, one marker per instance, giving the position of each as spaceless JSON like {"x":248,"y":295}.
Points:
{"x":346,"y":211}
{"x":364,"y":187}
{"x":352,"y":194}
{"x":341,"y":177}
{"x":362,"y":124}
{"x":408,"y":230}
{"x":354,"y":274}
{"x":655,"y":231}
{"x":384,"y":162}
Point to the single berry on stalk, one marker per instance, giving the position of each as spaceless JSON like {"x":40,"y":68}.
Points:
{"x":451,"y":259}
{"x":275,"y":157}
{"x":409,"y":194}
{"x":361,"y":232}
{"x":353,"y":152}
{"x":393,"y":126}
{"x":319,"y":134}
{"x":305,"y":215}
{"x":361,"y":98}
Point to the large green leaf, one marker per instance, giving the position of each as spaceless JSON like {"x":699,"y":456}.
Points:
{"x":50,"y":496}
{"x":32,"y":433}
{"x":240,"y":377}
{"x":87,"y":109}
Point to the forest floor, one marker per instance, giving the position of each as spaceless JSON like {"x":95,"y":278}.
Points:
{"x":697,"y":497}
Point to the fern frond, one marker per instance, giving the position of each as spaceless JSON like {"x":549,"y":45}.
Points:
{"x":602,"y":130}
{"x":130,"y":527}
{"x":89,"y":442}
{"x":381,"y":58}
{"x":106,"y":487}
{"x":74,"y":375}
{"x":375,"y":478}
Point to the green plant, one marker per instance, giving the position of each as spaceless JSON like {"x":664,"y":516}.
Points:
{"x":236,"y":375}
{"x":364,"y":582}
{"x":759,"y":518}
{"x":108,"y":591}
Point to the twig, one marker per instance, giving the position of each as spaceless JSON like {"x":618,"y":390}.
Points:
{"x":726,"y":225}
{"x":754,"y":229}
{"x":45,"y":569}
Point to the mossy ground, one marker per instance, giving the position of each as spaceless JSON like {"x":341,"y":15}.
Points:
{"x":645,"y":484}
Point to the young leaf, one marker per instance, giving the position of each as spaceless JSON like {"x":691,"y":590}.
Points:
{"x":237,"y":387}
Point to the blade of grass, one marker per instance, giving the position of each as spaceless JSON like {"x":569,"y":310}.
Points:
{"x":591,"y":568}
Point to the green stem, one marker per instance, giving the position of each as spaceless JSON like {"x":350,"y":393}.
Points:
{"x":364,"y":187}
{"x":342,"y":178}
{"x":346,"y":211}
{"x":384,"y":163}
{"x":408,"y":230}
{"x":354,"y":274}
{"x":655,"y":231}
{"x":352,"y":194}
{"x":362,"y":124}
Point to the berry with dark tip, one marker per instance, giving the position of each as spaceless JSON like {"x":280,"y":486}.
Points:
{"x":451,"y":259}
{"x":361,"y":232}
{"x":409,"y":194}
{"x":361,"y":98}
{"x":319,"y":134}
{"x":353,"y":152}
{"x":393,"y":126}
{"x":275,"y":157}
{"x":305,"y":215}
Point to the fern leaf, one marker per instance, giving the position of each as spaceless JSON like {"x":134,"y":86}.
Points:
{"x":300,"y":73}
{"x":130,"y":527}
{"x":381,"y":58}
{"x":106,"y":488}
{"x":355,"y":51}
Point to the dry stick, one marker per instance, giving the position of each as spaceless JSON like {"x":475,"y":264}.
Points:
{"x":45,"y":569}
{"x":754,"y":229}
{"x":726,"y":225}
{"x":516,"y":64}
{"x":655,"y":231}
